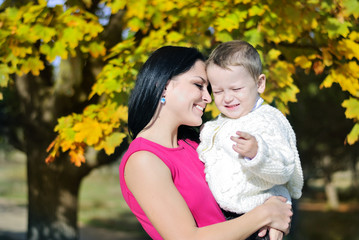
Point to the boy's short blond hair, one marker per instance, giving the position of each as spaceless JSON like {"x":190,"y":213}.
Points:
{"x":237,"y":53}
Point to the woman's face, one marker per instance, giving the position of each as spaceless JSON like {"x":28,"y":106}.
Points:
{"x":187,"y":96}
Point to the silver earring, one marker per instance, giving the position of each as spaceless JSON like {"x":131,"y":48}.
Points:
{"x":163,"y":100}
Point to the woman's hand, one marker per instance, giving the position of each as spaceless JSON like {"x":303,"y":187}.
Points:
{"x":280,"y":213}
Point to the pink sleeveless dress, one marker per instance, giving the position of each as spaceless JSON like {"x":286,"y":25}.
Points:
{"x":188,"y":176}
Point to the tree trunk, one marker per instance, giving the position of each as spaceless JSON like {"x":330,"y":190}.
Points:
{"x":52,"y":189}
{"x":332,"y":195}
{"x":53,"y":200}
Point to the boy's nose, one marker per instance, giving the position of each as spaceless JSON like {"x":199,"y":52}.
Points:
{"x":228,"y":97}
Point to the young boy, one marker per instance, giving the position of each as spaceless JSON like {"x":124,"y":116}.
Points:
{"x":268,"y":163}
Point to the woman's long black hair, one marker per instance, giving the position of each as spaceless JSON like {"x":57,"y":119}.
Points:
{"x":162,"y":65}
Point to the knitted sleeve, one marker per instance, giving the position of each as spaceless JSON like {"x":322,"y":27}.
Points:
{"x":277,"y":160}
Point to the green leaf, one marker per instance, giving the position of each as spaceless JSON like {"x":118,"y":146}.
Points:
{"x":256,"y":10}
{"x":72,"y":36}
{"x":254,"y":37}
{"x":113,"y":141}
{"x":4,"y":75}
{"x":52,"y":52}
{"x":33,"y":64}
{"x":174,"y":37}
{"x":12,"y":14}
{"x":44,"y":33}
{"x":116,"y":5}
{"x":229,"y":22}
{"x":337,"y":28}
{"x":351,"y":7}
{"x":223,"y":36}
{"x":32,"y":13}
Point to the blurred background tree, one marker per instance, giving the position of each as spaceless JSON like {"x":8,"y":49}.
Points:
{"x":66,"y":72}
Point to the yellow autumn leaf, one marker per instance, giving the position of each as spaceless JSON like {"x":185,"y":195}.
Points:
{"x":303,"y":62}
{"x":20,"y":51}
{"x":33,"y":64}
{"x":272,"y":55}
{"x":353,"y":136}
{"x":346,"y":75}
{"x":97,"y":49}
{"x":327,"y":57}
{"x":89,"y":131}
{"x":352,"y":69}
{"x":328,"y":81}
{"x":348,"y":48}
{"x":318,"y":67}
{"x":354,"y":36}
{"x":66,"y":145}
{"x":174,"y":37}
{"x":352,"y":108}
{"x":136,"y":9}
{"x":282,"y":73}
{"x":111,"y":142}
{"x":213,"y":109}
{"x":77,"y":156}
{"x":116,"y":5}
{"x":314,"y":23}
{"x":122,"y":112}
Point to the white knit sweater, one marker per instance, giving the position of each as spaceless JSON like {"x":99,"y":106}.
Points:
{"x":240,"y":184}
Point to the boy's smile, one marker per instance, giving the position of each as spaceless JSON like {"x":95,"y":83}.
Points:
{"x":234,"y":89}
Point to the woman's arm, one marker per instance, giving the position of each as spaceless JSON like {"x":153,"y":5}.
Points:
{"x":150,"y":181}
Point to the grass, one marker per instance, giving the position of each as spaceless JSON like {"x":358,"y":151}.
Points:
{"x":101,"y":202}
{"x":101,"y":205}
{"x":13,"y":178}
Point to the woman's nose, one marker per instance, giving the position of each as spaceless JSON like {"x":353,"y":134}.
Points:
{"x":206,"y":96}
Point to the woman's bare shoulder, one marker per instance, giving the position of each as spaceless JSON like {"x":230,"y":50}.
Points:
{"x":145,"y":164}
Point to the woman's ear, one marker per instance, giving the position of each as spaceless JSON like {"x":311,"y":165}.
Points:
{"x":261,"y":84}
{"x":164,"y":91}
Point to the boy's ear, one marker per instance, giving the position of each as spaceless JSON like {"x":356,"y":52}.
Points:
{"x":261,"y":84}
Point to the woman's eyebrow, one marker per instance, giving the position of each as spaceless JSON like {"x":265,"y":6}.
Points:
{"x":203,"y":80}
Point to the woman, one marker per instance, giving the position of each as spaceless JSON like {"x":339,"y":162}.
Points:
{"x":161,"y":177}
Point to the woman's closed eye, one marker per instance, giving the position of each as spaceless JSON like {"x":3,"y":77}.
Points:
{"x":200,"y":86}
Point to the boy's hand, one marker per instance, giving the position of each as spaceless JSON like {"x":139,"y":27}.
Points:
{"x":245,"y":144}
{"x":275,"y":234}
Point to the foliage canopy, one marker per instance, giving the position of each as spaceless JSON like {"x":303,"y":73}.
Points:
{"x":316,"y":36}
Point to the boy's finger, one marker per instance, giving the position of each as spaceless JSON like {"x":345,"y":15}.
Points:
{"x":243,"y":135}
{"x":262,"y":232}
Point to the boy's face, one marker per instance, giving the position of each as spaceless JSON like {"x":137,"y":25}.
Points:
{"x":235,"y":91}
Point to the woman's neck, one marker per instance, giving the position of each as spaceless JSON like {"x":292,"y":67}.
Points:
{"x":160,"y":136}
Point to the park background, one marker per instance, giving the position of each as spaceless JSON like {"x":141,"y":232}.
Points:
{"x":67,"y":68}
